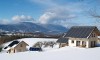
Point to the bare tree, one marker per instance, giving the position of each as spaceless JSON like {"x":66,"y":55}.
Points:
{"x":94,"y":13}
{"x":94,"y":9}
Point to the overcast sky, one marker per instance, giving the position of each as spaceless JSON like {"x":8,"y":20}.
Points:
{"x":63,"y":12}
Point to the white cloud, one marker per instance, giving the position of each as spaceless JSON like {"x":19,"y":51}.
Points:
{"x":4,"y":21}
{"x":45,"y":2}
{"x":22,"y":18}
{"x":45,"y":18}
{"x":58,"y":13}
{"x":17,"y":19}
{"x":56,"y":16}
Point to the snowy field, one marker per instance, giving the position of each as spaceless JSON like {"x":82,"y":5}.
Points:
{"x":32,"y":41}
{"x":65,"y":53}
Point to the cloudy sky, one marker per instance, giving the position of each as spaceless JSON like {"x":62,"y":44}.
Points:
{"x":63,"y":12}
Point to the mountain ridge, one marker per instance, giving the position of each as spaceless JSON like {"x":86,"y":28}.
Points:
{"x":33,"y":27}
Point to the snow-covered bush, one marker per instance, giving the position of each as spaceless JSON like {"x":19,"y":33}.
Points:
{"x":49,"y":43}
{"x":38,"y":44}
{"x":44,"y":44}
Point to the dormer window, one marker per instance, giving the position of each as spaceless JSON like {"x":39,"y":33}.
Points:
{"x":93,"y":35}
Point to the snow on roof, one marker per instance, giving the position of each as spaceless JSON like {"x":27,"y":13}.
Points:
{"x":14,"y":45}
{"x":11,"y":45}
{"x":8,"y":48}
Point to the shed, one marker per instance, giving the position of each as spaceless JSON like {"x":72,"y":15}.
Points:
{"x":62,"y":42}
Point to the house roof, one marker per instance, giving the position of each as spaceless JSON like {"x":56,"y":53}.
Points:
{"x":13,"y":43}
{"x":21,"y":42}
{"x":62,"y":40}
{"x":81,"y":31}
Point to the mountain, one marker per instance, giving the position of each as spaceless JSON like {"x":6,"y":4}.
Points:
{"x":54,"y":28}
{"x":23,"y":26}
{"x":33,"y":27}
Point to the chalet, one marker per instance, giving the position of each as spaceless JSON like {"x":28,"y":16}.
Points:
{"x":80,"y":36}
{"x":16,"y":46}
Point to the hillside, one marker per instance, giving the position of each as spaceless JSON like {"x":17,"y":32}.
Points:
{"x":65,"y":53}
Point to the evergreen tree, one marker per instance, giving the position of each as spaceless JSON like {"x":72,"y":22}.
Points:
{"x":0,"y":48}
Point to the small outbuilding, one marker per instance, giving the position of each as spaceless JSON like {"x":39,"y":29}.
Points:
{"x":62,"y":42}
{"x":16,"y":46}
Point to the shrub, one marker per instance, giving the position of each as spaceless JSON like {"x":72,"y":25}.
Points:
{"x":0,"y":49}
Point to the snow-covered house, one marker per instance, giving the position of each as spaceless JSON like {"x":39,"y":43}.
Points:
{"x":16,"y":46}
{"x":80,"y":36}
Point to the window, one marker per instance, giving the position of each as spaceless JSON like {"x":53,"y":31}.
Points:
{"x":78,"y":43}
{"x":21,"y":45}
{"x":93,"y":35}
{"x":93,"y":43}
{"x":72,"y":41}
{"x":83,"y":44}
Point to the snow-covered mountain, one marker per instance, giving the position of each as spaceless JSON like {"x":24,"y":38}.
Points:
{"x":33,"y":27}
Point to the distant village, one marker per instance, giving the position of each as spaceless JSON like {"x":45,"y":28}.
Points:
{"x":76,"y":36}
{"x":6,"y":36}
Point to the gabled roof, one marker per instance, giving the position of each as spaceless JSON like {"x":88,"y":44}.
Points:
{"x":81,"y":31}
{"x":62,"y":40}
{"x":21,"y":42}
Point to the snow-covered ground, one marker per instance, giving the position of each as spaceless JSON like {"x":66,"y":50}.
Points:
{"x":65,"y":53}
{"x":32,"y":41}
